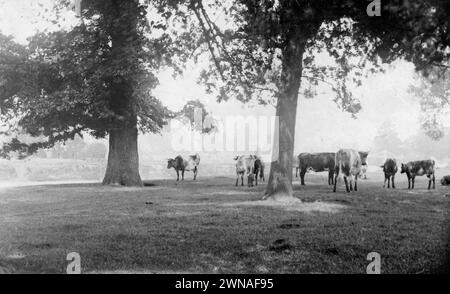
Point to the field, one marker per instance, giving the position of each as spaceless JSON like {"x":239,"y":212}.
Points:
{"x":211,"y":226}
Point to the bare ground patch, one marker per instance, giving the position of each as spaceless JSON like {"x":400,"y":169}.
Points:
{"x":294,"y":204}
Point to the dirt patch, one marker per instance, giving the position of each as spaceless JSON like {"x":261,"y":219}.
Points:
{"x":293,"y":205}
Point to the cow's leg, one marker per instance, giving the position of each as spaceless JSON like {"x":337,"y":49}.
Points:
{"x":182,"y":174}
{"x":195,"y":173}
{"x":385,"y":180}
{"x":356,"y":183}
{"x":256,"y":179}
{"x":409,"y":182}
{"x":346,"y":184}
{"x":413,"y":179}
{"x":336,"y":174}
{"x":302,"y":177}
{"x":393,"y":184}
{"x":389,"y":182}
{"x":242,"y":179}
{"x":434,"y":181}
{"x":237,"y":179}
{"x":429,"y":182}
{"x":330,"y":177}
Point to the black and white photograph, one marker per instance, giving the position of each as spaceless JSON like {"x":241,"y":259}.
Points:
{"x":253,"y":138}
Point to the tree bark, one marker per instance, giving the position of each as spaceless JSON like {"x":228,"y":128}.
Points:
{"x":280,"y":178}
{"x":123,"y":158}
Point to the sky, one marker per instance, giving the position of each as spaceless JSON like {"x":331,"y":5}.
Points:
{"x":321,"y":126}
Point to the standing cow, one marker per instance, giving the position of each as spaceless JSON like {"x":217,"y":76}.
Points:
{"x":419,"y":168}
{"x":245,"y":165}
{"x":258,"y":169}
{"x":317,"y":162}
{"x":390,"y":169}
{"x":180,"y":164}
{"x":348,"y":162}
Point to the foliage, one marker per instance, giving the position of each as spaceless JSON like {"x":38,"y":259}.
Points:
{"x":197,"y":116}
{"x":247,"y":56}
{"x":64,"y":83}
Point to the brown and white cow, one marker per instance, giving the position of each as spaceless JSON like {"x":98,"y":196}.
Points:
{"x":245,"y":165}
{"x":390,"y":169}
{"x":348,"y":162}
{"x":181,"y":164}
{"x":317,"y":162}
{"x":419,"y":168}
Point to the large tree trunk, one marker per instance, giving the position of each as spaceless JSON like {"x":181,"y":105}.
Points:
{"x":123,"y":158}
{"x":280,"y":179}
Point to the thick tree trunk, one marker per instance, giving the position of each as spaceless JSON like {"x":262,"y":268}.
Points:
{"x":123,"y":158}
{"x":280,"y":179}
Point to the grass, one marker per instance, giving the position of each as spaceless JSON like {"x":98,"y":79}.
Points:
{"x":208,"y":226}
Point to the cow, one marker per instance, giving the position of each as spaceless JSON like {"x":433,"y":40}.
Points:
{"x":363,"y":155}
{"x":445,"y":181}
{"x":389,"y":169}
{"x":258,"y":169}
{"x":348,"y":162}
{"x":419,"y":168}
{"x":245,"y":165}
{"x":363,"y":174}
{"x":180,"y":164}
{"x":317,"y":162}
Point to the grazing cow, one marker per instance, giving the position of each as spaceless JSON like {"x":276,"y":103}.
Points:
{"x":245,"y":164}
{"x":445,"y":181}
{"x":390,"y":169}
{"x":258,"y":169}
{"x":317,"y":162}
{"x":348,"y":162}
{"x":180,"y":164}
{"x":419,"y":168}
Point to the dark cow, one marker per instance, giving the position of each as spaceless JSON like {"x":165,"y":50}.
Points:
{"x":445,"y":181}
{"x":180,"y":164}
{"x":348,"y":162}
{"x":419,"y":168}
{"x":390,"y":169}
{"x":258,"y":169}
{"x":245,"y":165}
{"x":317,"y":162}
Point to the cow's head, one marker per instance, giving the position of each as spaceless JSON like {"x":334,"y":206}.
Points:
{"x":363,"y":156}
{"x":170,"y":163}
{"x":404,"y":168}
